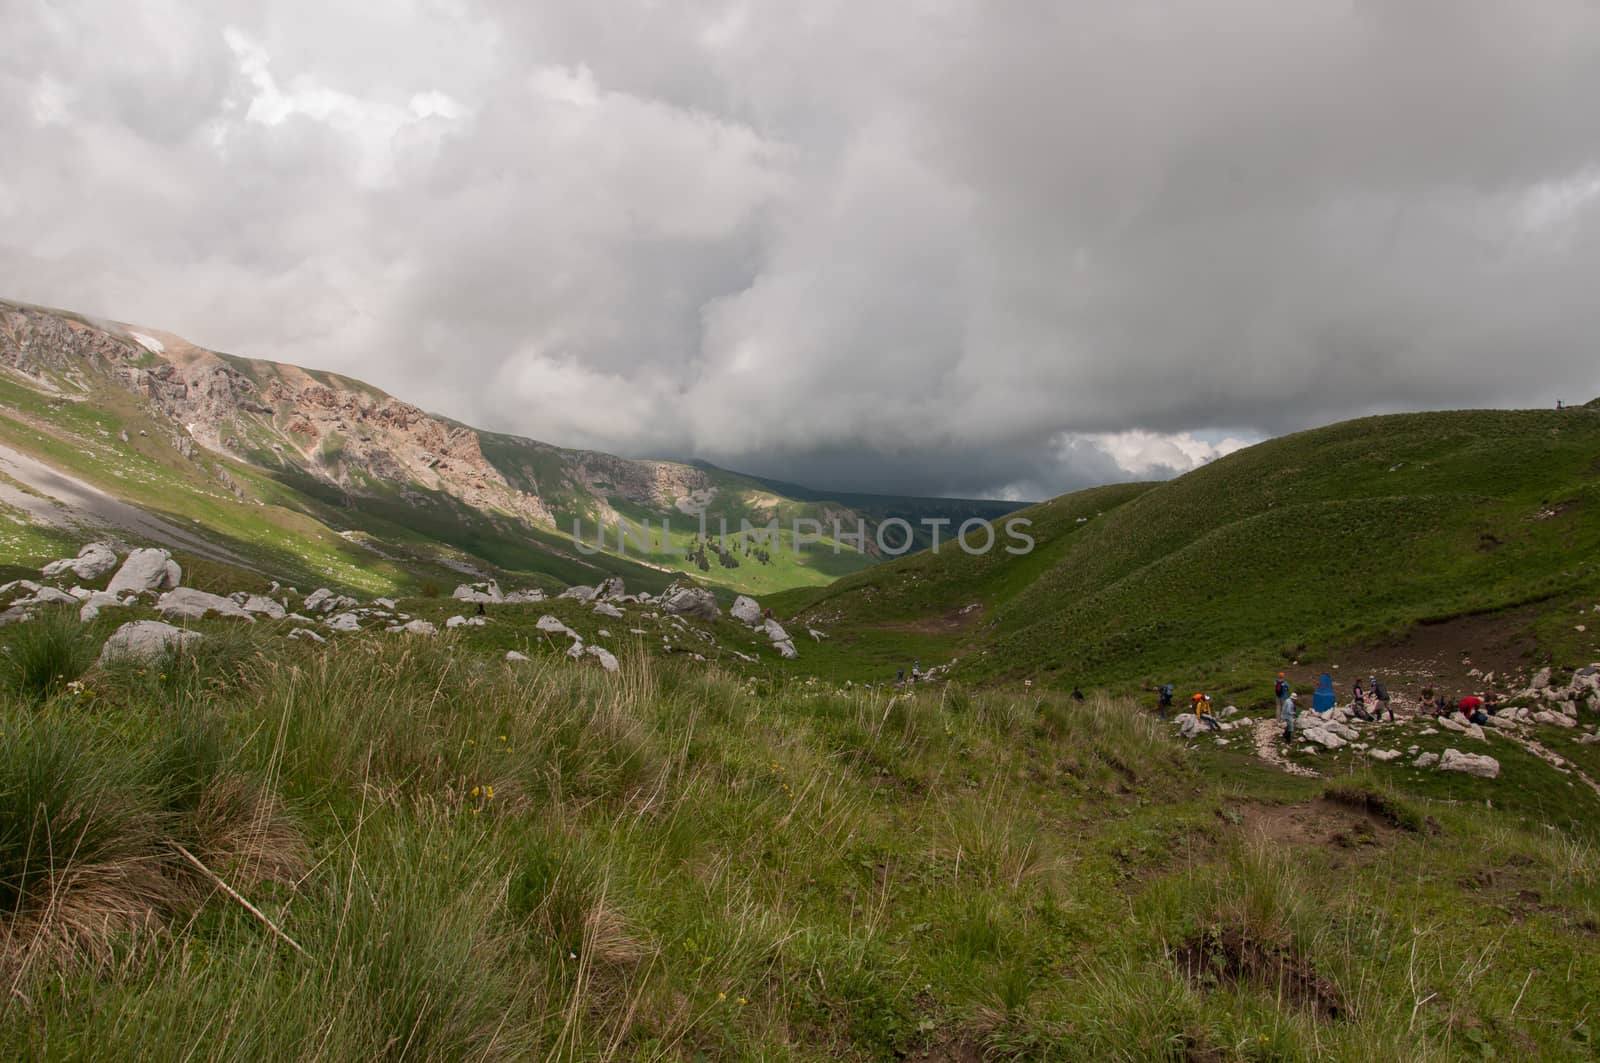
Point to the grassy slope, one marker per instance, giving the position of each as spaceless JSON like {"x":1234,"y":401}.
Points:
{"x":1323,"y":538}
{"x":679,"y":864}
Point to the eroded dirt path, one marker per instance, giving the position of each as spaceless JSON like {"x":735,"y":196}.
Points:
{"x":1268,"y":734}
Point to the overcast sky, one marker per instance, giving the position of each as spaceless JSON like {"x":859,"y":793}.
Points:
{"x":956,"y":247}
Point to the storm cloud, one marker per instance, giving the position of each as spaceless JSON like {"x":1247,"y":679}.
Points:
{"x":956,"y":246}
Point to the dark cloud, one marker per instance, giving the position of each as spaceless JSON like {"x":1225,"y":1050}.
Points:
{"x":945,"y":247}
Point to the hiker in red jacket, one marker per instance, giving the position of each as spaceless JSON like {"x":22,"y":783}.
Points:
{"x":1471,"y":707}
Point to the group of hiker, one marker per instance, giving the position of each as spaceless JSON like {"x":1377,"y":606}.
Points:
{"x":1369,"y":702}
{"x":1472,"y":707}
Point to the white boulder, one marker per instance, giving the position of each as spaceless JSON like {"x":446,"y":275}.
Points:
{"x":92,"y":562}
{"x":610,"y":588}
{"x":607,"y":659}
{"x":318,"y":600}
{"x":746,"y":610}
{"x":94,"y":603}
{"x":146,"y":569}
{"x":1384,"y":755}
{"x":307,"y":634}
{"x":343,"y":622}
{"x":607,"y":609}
{"x":580,"y":592}
{"x":1484,"y":767}
{"x":415,"y":627}
{"x":554,"y":626}
{"x":478,"y":592}
{"x":145,"y":640}
{"x":1425,"y":760}
{"x":680,"y":600}
{"x":261,"y":605}
{"x":190,"y":604}
{"x":785,"y":648}
{"x":513,"y":655}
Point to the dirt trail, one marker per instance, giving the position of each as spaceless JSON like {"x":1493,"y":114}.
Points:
{"x":1268,"y":733}
{"x":70,"y":503}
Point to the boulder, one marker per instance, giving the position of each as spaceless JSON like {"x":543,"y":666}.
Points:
{"x":465,"y":621}
{"x":317,"y":601}
{"x":610,"y":588}
{"x":1188,"y":724}
{"x":1450,"y":723}
{"x":190,"y":604}
{"x":478,"y":592}
{"x":343,"y":622}
{"x":607,"y":609}
{"x":1540,"y":680}
{"x":1484,"y":767}
{"x":683,"y":600}
{"x":146,"y":569}
{"x":775,"y":632}
{"x":48,"y":596}
{"x":580,"y":592}
{"x":746,"y":610}
{"x":145,"y":640}
{"x":1553,"y":719}
{"x":415,"y":627}
{"x":261,"y":605}
{"x":1384,"y":755}
{"x":1426,"y":760}
{"x":383,"y":603}
{"x":94,"y":603}
{"x":513,"y":655}
{"x":555,"y":627}
{"x":307,"y":634}
{"x":607,"y":659}
{"x":92,"y":562}
{"x":20,"y":587}
{"x":1323,"y":737}
{"x":523,"y":597}
{"x":816,"y":636}
{"x":785,"y":648}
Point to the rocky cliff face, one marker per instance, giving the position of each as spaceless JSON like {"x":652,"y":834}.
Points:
{"x":337,"y":430}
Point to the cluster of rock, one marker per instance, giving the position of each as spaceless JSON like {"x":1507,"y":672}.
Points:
{"x":748,"y":612}
{"x":150,"y":577}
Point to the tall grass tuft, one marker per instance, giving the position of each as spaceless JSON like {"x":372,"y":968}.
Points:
{"x":45,"y":654}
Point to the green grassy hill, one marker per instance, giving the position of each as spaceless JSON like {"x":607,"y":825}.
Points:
{"x":1288,"y":549}
{"x":407,"y":848}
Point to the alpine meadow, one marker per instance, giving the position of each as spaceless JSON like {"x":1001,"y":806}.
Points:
{"x":693,"y":532}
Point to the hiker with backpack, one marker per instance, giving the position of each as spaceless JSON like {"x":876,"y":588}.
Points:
{"x":1164,"y":700}
{"x":1202,"y":711}
{"x":1281,"y":692}
{"x":1381,"y":694}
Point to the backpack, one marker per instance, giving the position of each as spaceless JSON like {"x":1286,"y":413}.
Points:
{"x":1379,"y":691}
{"x":1166,"y":694}
{"x":1280,"y":688}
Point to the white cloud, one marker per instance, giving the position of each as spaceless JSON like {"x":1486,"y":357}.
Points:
{"x":937,"y":246}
